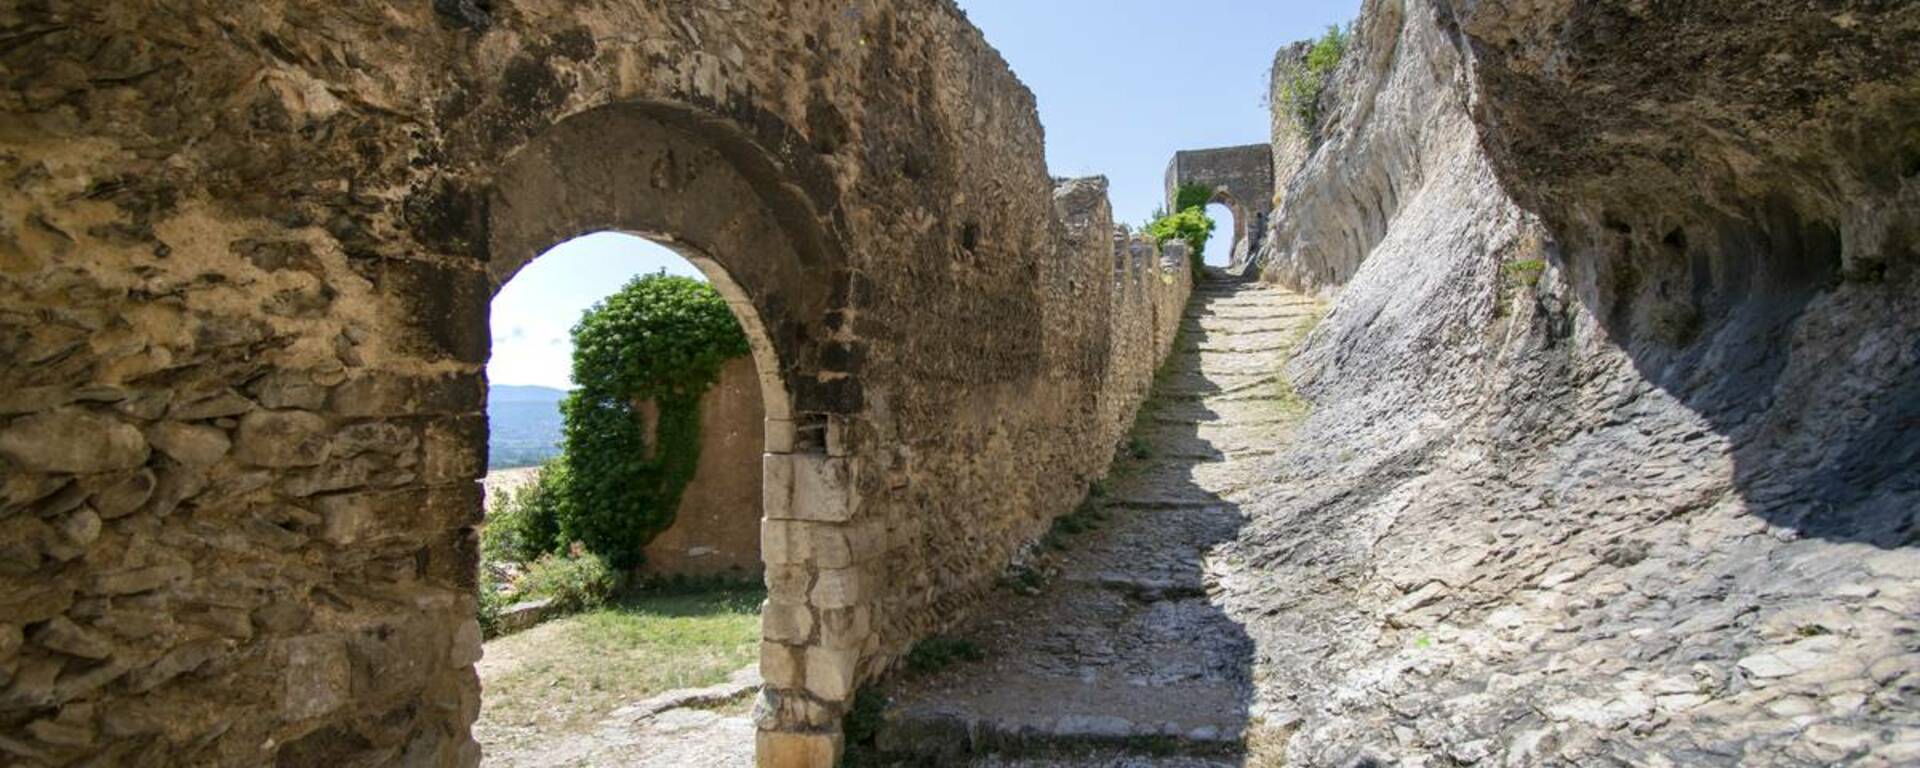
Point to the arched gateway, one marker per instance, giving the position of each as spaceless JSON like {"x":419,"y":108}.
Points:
{"x":245,"y":264}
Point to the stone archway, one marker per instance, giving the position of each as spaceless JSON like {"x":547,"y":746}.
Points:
{"x":1241,"y":179}
{"x":706,"y":193}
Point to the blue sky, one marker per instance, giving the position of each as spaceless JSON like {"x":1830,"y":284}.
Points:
{"x":1121,"y":85}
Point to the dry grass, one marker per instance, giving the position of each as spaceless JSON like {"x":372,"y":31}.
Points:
{"x":565,"y":676}
{"x":1267,"y":745}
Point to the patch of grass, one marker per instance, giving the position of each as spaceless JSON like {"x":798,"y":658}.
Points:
{"x":1267,"y":744}
{"x":1156,"y":744}
{"x":1024,"y":579}
{"x":1086,"y":517}
{"x":939,"y":652}
{"x":1524,"y":272}
{"x":1423,"y":642}
{"x":567,"y":675}
{"x":1139,"y":448}
{"x":1288,"y":402}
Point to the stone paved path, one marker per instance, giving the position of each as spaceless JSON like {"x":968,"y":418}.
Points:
{"x":1124,"y":657}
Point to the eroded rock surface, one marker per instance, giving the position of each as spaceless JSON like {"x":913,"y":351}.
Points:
{"x":1611,"y":454}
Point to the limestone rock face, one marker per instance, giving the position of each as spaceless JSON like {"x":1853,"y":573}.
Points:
{"x":1612,"y":451}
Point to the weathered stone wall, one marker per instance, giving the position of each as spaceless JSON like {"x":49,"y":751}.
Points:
{"x":1610,"y":455}
{"x":1145,"y":291}
{"x":245,"y":259}
{"x":716,"y":528}
{"x":1242,"y":180}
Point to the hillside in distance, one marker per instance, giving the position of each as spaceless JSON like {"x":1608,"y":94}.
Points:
{"x":523,"y":425}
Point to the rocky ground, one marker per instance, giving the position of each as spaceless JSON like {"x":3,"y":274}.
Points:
{"x":1113,"y":646}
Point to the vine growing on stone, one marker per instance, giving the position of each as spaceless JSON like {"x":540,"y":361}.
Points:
{"x":662,"y":339}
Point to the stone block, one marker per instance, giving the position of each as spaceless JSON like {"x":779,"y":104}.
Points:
{"x":785,"y":749}
{"x":831,"y":672}
{"x":195,"y":445}
{"x":788,"y":583}
{"x":779,"y":544}
{"x":779,"y":435}
{"x":781,"y":666}
{"x":126,"y":495}
{"x":837,"y":588}
{"x":73,"y":440}
{"x":822,"y":489}
{"x":63,"y":636}
{"x":776,"y":485}
{"x":133,"y":581}
{"x":846,"y":628}
{"x":829,"y":546}
{"x":289,"y":389}
{"x":317,"y":677}
{"x":282,"y":439}
{"x":786,"y":622}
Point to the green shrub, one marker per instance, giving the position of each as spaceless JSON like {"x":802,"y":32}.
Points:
{"x":939,"y":652}
{"x":1192,"y":225}
{"x":1302,"y":88}
{"x":523,"y":523}
{"x":492,"y":601}
{"x":1525,"y":272}
{"x":574,"y":581}
{"x":660,"y":338}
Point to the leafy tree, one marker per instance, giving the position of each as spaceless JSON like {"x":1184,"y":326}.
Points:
{"x":660,"y":338}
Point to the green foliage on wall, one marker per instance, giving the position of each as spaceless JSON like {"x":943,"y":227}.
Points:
{"x":1188,"y":222}
{"x":1192,"y":196}
{"x":1302,"y":88}
{"x":660,"y":338}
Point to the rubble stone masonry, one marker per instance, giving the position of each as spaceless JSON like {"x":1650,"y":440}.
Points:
{"x":246,"y":255}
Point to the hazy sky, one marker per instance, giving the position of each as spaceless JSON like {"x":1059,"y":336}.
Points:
{"x":1121,"y":85}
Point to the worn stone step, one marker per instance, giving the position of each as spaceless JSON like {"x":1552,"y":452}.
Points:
{"x":1165,"y":502}
{"x":1195,"y":330}
{"x":1251,"y":411}
{"x":1083,"y":718}
{"x":1183,"y":383}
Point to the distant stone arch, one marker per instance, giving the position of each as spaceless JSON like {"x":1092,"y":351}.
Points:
{"x":1241,"y":178}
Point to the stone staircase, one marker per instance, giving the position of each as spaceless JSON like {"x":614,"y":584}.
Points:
{"x":1121,"y":657}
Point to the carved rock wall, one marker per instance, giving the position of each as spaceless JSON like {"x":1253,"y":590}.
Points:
{"x":1613,"y":414}
{"x":246,"y":254}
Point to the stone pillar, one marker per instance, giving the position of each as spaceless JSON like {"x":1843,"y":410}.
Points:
{"x":818,"y":615}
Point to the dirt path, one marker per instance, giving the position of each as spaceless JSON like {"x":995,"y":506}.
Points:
{"x":1124,"y":657}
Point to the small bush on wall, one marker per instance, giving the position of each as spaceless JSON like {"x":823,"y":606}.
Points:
{"x":1189,"y":222}
{"x":1303,"y":87}
{"x":660,"y":338}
